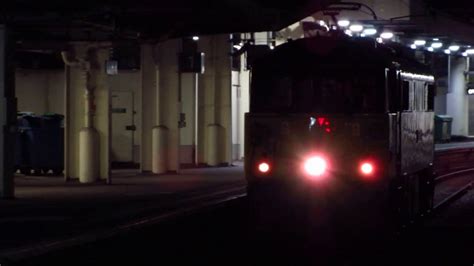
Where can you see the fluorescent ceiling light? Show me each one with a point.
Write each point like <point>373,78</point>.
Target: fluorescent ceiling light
<point>420,42</point>
<point>437,45</point>
<point>454,48</point>
<point>386,35</point>
<point>370,31</point>
<point>343,23</point>
<point>356,28</point>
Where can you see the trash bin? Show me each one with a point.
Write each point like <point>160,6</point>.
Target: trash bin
<point>30,127</point>
<point>52,143</point>
<point>443,128</point>
<point>40,144</point>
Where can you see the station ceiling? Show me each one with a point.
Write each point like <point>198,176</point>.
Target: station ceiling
<point>149,19</point>
<point>461,10</point>
<point>117,20</point>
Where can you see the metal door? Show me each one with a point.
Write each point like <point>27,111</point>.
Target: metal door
<point>123,126</point>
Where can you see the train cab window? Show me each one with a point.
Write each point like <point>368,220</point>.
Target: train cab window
<point>276,95</point>
<point>319,92</point>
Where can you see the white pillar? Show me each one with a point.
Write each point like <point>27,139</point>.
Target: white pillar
<point>149,74</point>
<point>244,103</point>
<point>213,131</point>
<point>159,149</point>
<point>215,102</point>
<point>7,117</point>
<point>160,113</point>
<point>87,110</point>
<point>169,105</point>
<point>456,99</point>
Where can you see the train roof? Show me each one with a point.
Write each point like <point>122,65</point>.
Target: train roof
<point>341,52</point>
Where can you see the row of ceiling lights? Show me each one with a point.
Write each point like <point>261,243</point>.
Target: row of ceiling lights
<point>435,45</point>
<point>360,30</point>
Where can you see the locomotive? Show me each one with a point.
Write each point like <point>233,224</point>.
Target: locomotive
<point>340,128</point>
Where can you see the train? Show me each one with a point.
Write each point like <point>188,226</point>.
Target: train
<point>340,130</point>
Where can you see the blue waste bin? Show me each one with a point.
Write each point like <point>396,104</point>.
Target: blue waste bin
<point>20,162</point>
<point>443,128</point>
<point>30,125</point>
<point>41,144</point>
<point>51,143</point>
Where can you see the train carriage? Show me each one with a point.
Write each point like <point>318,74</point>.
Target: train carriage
<point>344,123</point>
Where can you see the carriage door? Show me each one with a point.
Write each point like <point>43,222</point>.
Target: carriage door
<point>416,138</point>
<point>122,127</point>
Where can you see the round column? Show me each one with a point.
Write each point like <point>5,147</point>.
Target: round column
<point>88,155</point>
<point>159,149</point>
<point>456,99</point>
<point>213,144</point>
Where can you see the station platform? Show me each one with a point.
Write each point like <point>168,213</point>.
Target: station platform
<point>49,213</point>
<point>454,145</point>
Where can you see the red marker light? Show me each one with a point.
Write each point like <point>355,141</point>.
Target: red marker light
<point>315,166</point>
<point>321,120</point>
<point>263,168</point>
<point>366,168</point>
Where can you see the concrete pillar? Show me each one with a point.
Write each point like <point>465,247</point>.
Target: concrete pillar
<point>244,103</point>
<point>159,149</point>
<point>160,85</point>
<point>213,134</point>
<point>7,115</point>
<point>149,75</point>
<point>187,134</point>
<point>87,112</point>
<point>215,102</point>
<point>456,99</point>
<point>168,98</point>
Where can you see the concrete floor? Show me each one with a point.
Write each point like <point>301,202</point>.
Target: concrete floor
<point>125,183</point>
<point>47,209</point>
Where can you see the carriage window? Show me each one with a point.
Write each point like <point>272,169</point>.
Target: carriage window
<point>430,95</point>
<point>407,101</point>
<point>419,96</point>
<point>416,96</point>
<point>412,97</point>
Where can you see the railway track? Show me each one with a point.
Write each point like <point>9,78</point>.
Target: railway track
<point>452,164</point>
<point>458,193</point>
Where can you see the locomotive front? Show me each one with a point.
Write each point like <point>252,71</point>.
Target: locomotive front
<point>320,130</point>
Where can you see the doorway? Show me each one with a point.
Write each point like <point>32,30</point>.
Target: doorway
<point>188,120</point>
<point>123,129</point>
